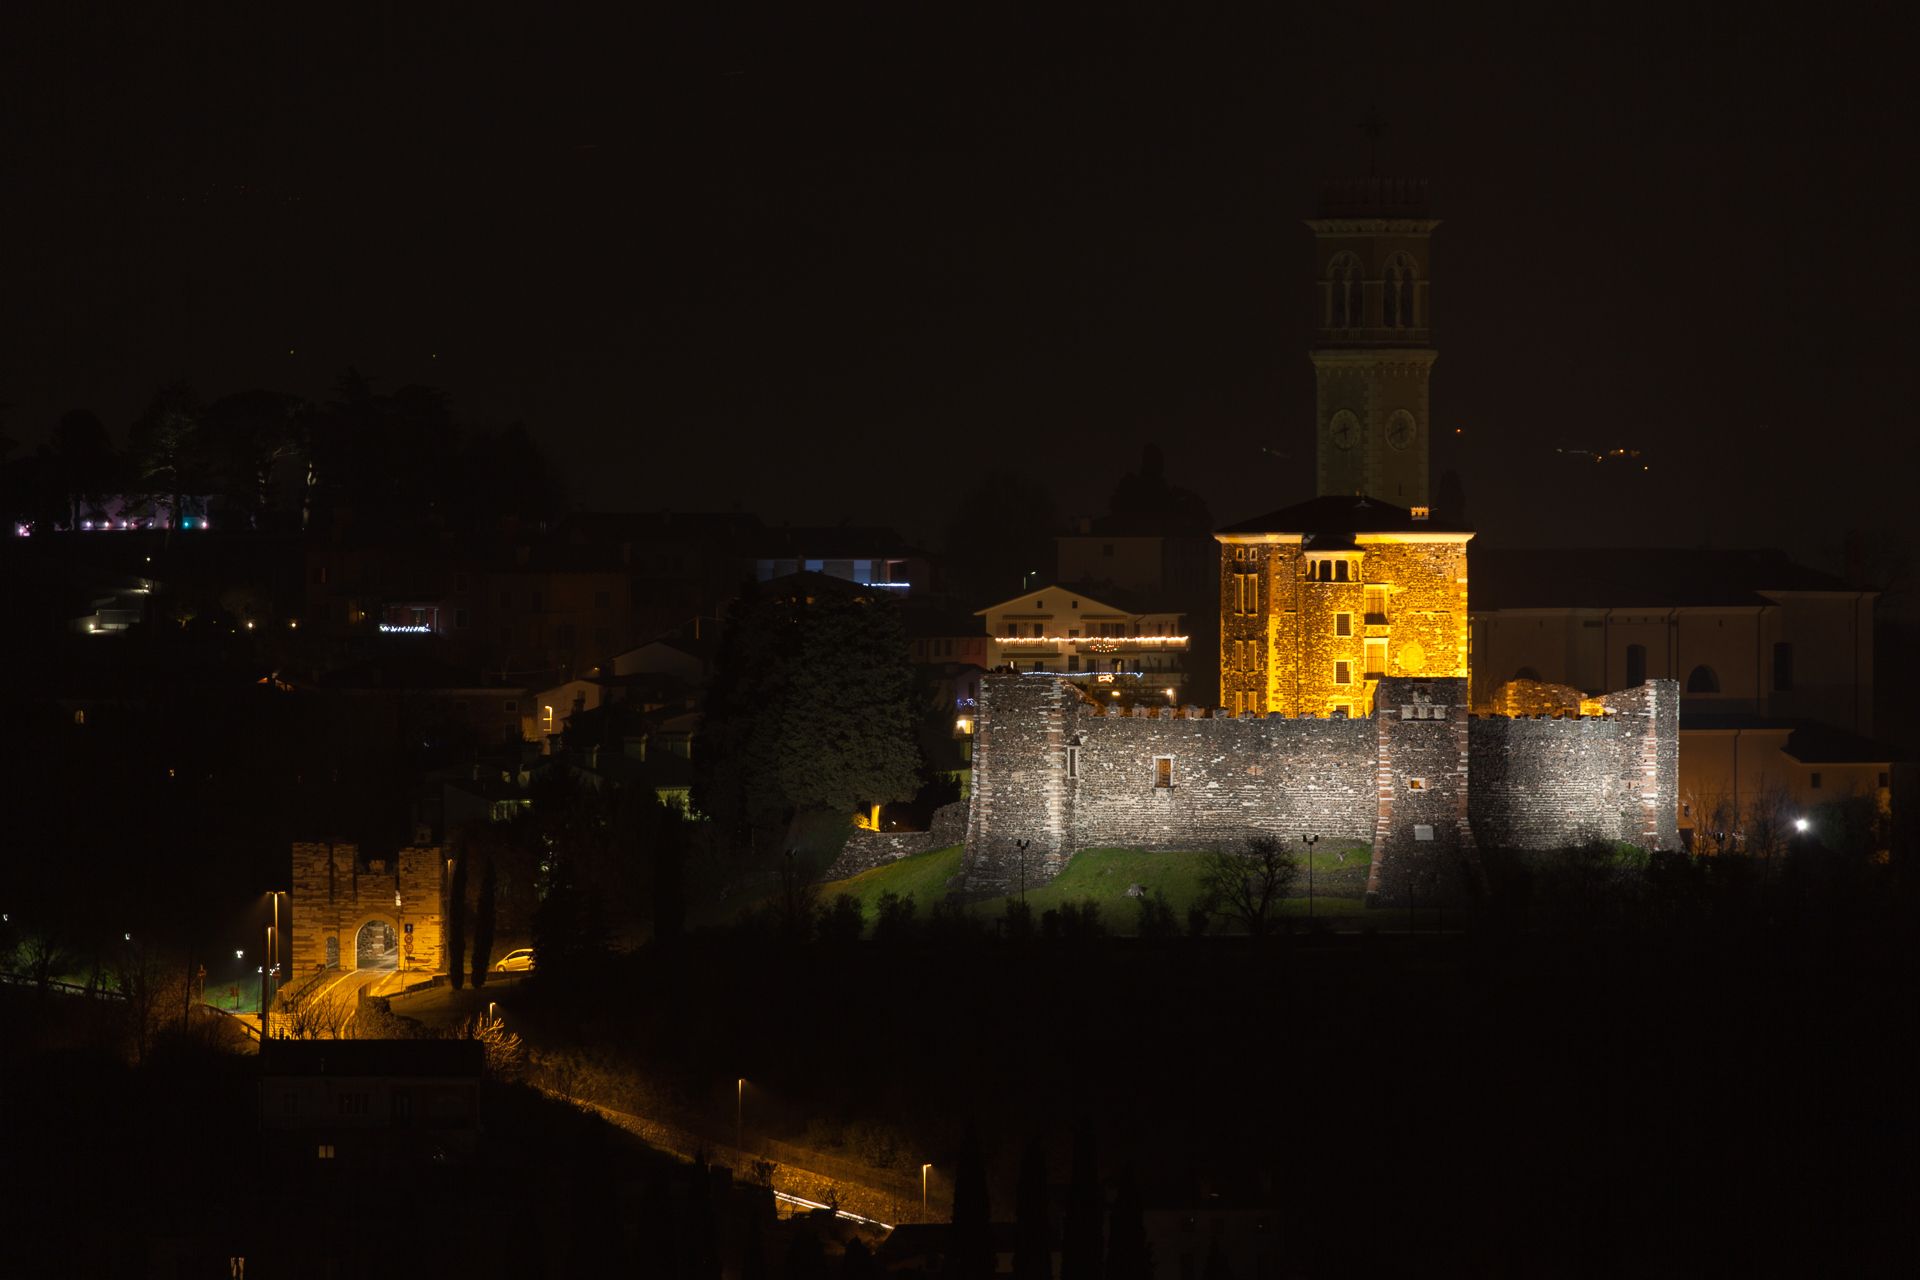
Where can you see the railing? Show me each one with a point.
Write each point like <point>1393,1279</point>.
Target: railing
<point>64,988</point>
<point>253,1032</point>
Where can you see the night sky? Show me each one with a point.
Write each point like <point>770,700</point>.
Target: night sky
<point>827,268</point>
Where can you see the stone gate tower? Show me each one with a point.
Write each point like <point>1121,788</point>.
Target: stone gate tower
<point>1372,347</point>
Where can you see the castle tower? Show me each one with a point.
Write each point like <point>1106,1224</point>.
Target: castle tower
<point>1372,347</point>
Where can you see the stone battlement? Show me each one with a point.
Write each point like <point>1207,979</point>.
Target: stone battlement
<point>1421,775</point>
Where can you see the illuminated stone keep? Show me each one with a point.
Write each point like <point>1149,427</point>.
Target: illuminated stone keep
<point>1321,601</point>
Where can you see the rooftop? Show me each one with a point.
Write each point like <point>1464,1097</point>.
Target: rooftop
<point>372,1057</point>
<point>1345,514</point>
<point>1639,577</point>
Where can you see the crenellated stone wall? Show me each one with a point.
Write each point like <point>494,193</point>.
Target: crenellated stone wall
<point>335,890</point>
<point>1422,780</point>
<point>1544,782</point>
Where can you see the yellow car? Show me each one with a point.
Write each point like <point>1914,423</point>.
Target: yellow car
<point>515,961</point>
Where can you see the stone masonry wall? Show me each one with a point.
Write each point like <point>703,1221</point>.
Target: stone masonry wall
<point>1541,782</point>
<point>1422,780</point>
<point>334,891</point>
<point>865,850</point>
<point>1062,773</point>
<point>1423,835</point>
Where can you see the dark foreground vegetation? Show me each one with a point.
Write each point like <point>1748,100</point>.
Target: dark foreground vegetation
<point>1620,1065</point>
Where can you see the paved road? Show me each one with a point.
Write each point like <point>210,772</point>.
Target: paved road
<point>345,987</point>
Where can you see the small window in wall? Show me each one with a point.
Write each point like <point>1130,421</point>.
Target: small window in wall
<point>1885,778</point>
<point>1636,665</point>
<point>1416,784</point>
<point>324,1151</point>
<point>1813,780</point>
<point>1343,673</point>
<point>1782,666</point>
<point>1376,605</point>
<point>1343,624</point>
<point>1376,659</point>
<point>1339,570</point>
<point>1162,772</point>
<point>1073,662</point>
<point>79,715</point>
<point>1073,762</point>
<point>1703,680</point>
<point>1013,628</point>
<point>1341,711</point>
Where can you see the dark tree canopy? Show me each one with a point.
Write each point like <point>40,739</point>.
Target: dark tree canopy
<point>811,708</point>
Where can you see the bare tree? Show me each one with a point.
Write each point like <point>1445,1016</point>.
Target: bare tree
<point>506,1052</point>
<point>315,1014</point>
<point>1769,820</point>
<point>1247,885</point>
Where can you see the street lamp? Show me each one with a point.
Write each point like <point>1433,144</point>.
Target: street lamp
<point>923,1186</point>
<point>1309,841</point>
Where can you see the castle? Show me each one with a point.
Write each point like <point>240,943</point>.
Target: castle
<point>1343,655</point>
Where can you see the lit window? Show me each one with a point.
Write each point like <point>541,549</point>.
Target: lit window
<point>1162,772</point>
<point>1343,624</point>
<point>1343,673</point>
<point>79,715</point>
<point>325,1151</point>
<point>546,717</point>
<point>1416,784</point>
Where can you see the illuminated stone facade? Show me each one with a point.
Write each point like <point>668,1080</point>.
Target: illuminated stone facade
<point>1319,602</point>
<point>335,892</point>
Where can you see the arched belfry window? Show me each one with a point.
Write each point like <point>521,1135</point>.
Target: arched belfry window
<point>1396,308</point>
<point>1343,289</point>
<point>1703,680</point>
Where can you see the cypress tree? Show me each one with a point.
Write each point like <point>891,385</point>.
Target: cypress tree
<point>483,921</point>
<point>457,915</point>
<point>1033,1241</point>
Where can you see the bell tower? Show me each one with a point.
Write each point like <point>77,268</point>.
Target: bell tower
<point>1372,346</point>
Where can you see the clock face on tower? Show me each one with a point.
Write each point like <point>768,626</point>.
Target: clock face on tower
<point>1400,429</point>
<point>1344,429</point>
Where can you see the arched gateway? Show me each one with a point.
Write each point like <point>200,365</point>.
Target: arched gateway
<point>354,910</point>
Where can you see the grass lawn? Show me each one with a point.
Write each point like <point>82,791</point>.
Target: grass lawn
<point>1104,875</point>
<point>922,877</point>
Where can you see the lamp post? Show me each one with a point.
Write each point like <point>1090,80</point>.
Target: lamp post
<point>923,1186</point>
<point>1309,841</point>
